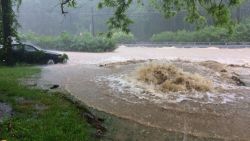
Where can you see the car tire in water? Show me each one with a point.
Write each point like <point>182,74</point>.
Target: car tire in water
<point>50,62</point>
<point>64,61</point>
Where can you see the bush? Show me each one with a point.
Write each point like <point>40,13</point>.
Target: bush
<point>208,34</point>
<point>67,42</point>
<point>242,33</point>
<point>211,34</point>
<point>124,38</point>
<point>179,36</point>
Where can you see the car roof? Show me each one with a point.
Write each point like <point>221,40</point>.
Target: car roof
<point>29,44</point>
<point>19,42</point>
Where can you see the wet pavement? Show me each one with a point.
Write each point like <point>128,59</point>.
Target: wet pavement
<point>210,117</point>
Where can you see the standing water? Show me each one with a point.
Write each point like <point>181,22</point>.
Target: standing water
<point>216,115</point>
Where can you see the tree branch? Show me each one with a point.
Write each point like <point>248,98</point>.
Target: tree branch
<point>62,6</point>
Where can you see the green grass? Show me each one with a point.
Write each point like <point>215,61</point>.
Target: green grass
<point>55,119</point>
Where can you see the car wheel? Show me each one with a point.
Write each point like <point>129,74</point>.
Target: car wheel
<point>64,61</point>
<point>51,62</point>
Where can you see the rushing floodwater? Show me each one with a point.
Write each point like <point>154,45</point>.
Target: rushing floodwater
<point>210,115</point>
<point>237,56</point>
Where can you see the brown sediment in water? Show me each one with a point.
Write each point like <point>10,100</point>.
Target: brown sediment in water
<point>247,65</point>
<point>115,64</point>
<point>195,116</point>
<point>216,66</point>
<point>222,72</point>
<point>225,71</point>
<point>191,116</point>
<point>168,78</point>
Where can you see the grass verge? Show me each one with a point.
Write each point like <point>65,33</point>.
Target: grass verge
<point>39,115</point>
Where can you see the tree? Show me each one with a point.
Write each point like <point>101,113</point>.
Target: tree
<point>9,26</point>
<point>6,29</point>
<point>218,10</point>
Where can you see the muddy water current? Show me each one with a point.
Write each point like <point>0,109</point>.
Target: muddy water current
<point>183,116</point>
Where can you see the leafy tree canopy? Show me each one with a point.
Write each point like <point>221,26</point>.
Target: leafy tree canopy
<point>197,10</point>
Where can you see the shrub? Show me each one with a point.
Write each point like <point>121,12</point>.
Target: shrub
<point>163,36</point>
<point>209,34</point>
<point>124,38</point>
<point>179,36</point>
<point>67,42</point>
<point>242,33</point>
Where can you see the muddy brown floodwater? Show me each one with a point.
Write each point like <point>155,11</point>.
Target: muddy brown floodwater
<point>210,116</point>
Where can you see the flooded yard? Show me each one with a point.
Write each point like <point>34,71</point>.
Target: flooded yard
<point>223,114</point>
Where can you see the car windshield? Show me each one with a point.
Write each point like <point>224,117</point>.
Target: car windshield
<point>38,48</point>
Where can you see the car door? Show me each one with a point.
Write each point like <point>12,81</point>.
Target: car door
<point>18,50</point>
<point>30,54</point>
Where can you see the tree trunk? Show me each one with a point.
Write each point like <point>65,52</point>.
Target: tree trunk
<point>238,14</point>
<point>7,21</point>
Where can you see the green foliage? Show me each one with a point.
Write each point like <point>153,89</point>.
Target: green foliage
<point>13,21</point>
<point>179,36</point>
<point>209,34</point>
<point>218,10</point>
<point>66,42</point>
<point>242,32</point>
<point>121,37</point>
<point>38,115</point>
<point>212,34</point>
<point>120,20</point>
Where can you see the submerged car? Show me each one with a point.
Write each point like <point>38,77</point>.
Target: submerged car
<point>29,53</point>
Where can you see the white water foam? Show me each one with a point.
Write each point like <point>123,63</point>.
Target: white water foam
<point>127,88</point>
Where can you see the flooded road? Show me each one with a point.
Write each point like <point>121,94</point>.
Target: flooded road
<point>211,116</point>
<point>235,56</point>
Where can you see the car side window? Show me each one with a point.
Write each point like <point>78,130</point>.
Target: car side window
<point>29,48</point>
<point>17,47</point>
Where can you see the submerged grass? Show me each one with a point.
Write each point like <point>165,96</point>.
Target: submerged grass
<point>169,78</point>
<point>38,115</point>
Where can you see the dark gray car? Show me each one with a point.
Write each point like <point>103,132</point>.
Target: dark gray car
<point>29,53</point>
